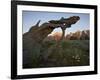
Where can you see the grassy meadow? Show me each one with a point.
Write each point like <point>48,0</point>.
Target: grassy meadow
<point>66,53</point>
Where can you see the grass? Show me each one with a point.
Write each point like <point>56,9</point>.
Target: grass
<point>67,53</point>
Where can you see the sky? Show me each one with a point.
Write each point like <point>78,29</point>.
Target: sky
<point>30,18</point>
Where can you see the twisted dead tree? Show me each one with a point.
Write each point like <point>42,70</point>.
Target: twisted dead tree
<point>48,59</point>
<point>32,40</point>
<point>65,23</point>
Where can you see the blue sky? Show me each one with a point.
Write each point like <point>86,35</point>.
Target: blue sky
<point>30,18</point>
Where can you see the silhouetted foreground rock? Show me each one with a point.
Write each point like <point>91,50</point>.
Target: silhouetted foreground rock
<point>32,40</point>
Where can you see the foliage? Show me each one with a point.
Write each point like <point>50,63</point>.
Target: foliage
<point>67,53</point>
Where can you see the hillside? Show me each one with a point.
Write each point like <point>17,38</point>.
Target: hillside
<point>78,35</point>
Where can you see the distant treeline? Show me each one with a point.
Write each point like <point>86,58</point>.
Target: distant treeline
<point>78,35</point>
